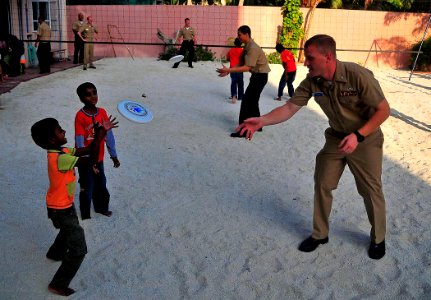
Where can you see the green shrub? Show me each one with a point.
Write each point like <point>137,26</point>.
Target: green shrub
<point>292,31</point>
<point>172,51</point>
<point>424,59</point>
<point>201,54</point>
<point>273,58</point>
<point>204,54</point>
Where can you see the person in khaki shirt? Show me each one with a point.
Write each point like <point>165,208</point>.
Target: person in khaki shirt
<point>255,62</point>
<point>88,33</point>
<point>43,45</point>
<point>188,34</point>
<point>355,105</point>
<point>78,53</point>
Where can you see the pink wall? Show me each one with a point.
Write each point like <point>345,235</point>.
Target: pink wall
<point>215,24</point>
<point>359,29</point>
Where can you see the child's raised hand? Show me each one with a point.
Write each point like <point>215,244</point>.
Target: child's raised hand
<point>110,123</point>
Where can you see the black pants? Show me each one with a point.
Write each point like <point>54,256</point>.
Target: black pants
<point>44,57</point>
<point>190,47</point>
<point>78,53</point>
<point>69,245</point>
<point>250,102</point>
<point>15,65</point>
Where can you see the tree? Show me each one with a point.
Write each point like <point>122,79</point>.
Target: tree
<point>311,4</point>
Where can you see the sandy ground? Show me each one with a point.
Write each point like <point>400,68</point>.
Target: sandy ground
<point>199,215</point>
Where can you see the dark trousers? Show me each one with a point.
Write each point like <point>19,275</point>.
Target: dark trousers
<point>187,46</point>
<point>237,85</point>
<point>93,187</point>
<point>250,102</point>
<point>286,79</point>
<point>78,53</point>
<point>44,57</point>
<point>69,245</point>
<point>15,65</point>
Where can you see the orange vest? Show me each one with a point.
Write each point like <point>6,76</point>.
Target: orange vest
<point>61,174</point>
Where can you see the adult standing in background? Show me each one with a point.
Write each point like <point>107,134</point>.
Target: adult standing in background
<point>355,105</point>
<point>78,53</point>
<point>88,33</point>
<point>43,45</point>
<point>188,34</point>
<point>255,62</point>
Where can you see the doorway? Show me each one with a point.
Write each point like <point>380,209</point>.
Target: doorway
<point>4,19</point>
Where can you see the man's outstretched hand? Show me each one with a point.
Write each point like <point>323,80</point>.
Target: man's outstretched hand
<point>249,127</point>
<point>222,72</point>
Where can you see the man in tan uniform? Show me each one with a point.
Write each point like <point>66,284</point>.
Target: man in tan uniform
<point>255,62</point>
<point>355,105</point>
<point>188,34</point>
<point>88,33</point>
<point>78,53</point>
<point>43,45</point>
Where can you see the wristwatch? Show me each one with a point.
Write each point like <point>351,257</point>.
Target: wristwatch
<point>359,136</point>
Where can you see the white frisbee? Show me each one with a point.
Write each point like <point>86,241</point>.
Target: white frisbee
<point>176,58</point>
<point>134,111</point>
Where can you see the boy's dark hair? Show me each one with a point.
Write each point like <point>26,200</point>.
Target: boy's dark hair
<point>237,42</point>
<point>186,19</point>
<point>279,47</point>
<point>244,29</point>
<point>324,43</point>
<point>44,130</point>
<point>83,88</point>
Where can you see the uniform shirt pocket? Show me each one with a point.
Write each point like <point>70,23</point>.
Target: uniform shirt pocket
<point>349,99</point>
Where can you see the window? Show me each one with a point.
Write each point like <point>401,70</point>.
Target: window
<point>48,9</point>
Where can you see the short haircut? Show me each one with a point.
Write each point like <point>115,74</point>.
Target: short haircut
<point>44,130</point>
<point>186,19</point>
<point>279,47</point>
<point>237,42</point>
<point>82,88</point>
<point>42,18</point>
<point>324,44</point>
<point>244,29</point>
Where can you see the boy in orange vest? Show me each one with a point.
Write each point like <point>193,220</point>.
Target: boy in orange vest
<point>69,246</point>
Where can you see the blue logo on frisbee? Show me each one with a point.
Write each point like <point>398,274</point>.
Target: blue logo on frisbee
<point>134,111</point>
